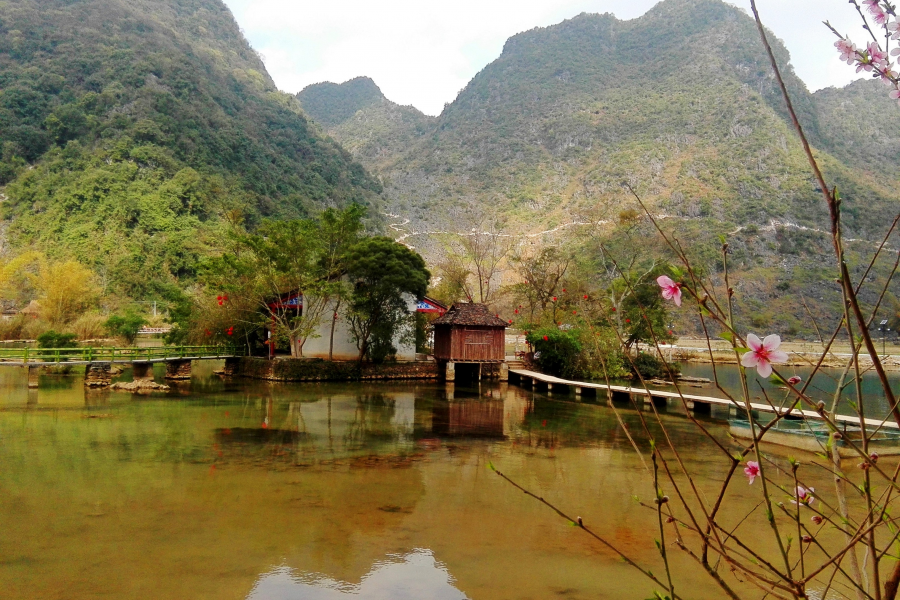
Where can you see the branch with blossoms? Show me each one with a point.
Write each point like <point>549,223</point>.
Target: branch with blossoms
<point>873,57</point>
<point>821,540</point>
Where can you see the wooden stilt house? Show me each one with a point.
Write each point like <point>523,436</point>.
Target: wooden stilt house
<point>469,333</point>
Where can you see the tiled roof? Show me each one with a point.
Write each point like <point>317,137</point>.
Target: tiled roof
<point>469,314</point>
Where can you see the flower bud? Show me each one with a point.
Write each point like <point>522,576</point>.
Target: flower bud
<point>807,539</point>
<point>837,435</point>
<point>873,457</point>
<point>816,519</point>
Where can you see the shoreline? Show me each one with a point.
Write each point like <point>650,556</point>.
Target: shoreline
<point>834,360</point>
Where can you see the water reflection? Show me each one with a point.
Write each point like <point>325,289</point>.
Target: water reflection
<point>198,493</point>
<point>414,576</point>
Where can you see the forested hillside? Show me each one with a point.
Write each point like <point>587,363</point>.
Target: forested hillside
<point>681,103</point>
<point>131,131</point>
<point>371,127</point>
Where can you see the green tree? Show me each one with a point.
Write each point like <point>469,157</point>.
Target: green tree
<point>339,231</point>
<point>543,276</point>
<point>126,326</point>
<point>555,351</point>
<point>644,315</point>
<point>266,273</point>
<point>269,270</point>
<point>382,272</point>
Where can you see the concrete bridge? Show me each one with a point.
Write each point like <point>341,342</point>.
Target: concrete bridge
<point>98,361</point>
<point>698,404</point>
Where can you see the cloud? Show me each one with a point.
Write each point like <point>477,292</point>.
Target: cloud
<point>423,53</point>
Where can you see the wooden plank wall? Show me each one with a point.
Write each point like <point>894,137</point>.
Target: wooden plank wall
<point>477,344</point>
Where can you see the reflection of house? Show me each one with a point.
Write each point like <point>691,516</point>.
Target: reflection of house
<point>468,334</point>
<point>471,419</point>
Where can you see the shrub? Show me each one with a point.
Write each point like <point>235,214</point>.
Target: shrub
<point>555,351</point>
<point>652,367</point>
<point>125,326</point>
<point>55,339</point>
<point>89,326</point>
<point>13,329</point>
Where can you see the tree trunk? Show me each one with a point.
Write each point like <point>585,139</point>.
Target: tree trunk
<point>362,350</point>
<point>296,347</point>
<point>334,319</point>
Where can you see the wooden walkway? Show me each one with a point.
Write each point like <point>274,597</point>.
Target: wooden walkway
<point>699,404</point>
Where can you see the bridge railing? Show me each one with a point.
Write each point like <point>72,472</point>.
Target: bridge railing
<point>107,354</point>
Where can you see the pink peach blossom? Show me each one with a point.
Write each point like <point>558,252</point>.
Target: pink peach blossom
<point>894,29</point>
<point>878,13</point>
<point>847,50</point>
<point>751,470</point>
<point>763,354</point>
<point>670,289</point>
<point>876,55</point>
<point>803,496</point>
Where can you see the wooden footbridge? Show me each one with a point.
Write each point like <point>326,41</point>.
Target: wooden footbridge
<point>698,404</point>
<point>98,361</point>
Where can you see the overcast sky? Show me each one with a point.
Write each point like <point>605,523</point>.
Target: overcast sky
<point>423,52</point>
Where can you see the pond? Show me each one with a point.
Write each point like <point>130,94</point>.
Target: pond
<point>822,386</point>
<point>251,490</point>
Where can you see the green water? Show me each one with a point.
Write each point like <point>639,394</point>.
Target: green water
<point>252,490</point>
<point>821,387</point>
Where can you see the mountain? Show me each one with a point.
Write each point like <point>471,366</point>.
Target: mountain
<point>682,104</point>
<point>860,125</point>
<point>133,131</point>
<point>371,127</point>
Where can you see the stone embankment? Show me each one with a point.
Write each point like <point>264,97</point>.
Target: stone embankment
<point>298,369</point>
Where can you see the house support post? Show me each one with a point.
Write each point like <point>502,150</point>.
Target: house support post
<point>504,371</point>
<point>450,371</point>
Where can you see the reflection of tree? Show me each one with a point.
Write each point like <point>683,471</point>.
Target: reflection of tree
<point>371,421</point>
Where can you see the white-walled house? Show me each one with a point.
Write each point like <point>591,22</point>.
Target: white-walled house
<point>317,346</point>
